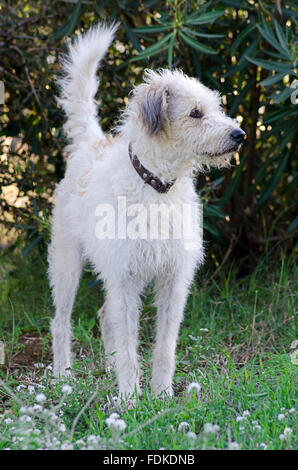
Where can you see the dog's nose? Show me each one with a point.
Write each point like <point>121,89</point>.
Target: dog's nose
<point>238,135</point>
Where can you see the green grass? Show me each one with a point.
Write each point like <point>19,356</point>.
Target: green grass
<point>235,341</point>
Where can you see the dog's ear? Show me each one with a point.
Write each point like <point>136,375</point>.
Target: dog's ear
<point>154,108</point>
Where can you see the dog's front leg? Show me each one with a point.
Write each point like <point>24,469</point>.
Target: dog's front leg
<point>121,312</point>
<point>170,300</point>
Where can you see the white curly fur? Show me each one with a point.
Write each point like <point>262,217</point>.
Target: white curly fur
<point>171,144</point>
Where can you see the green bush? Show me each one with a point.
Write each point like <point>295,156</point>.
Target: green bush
<point>244,49</point>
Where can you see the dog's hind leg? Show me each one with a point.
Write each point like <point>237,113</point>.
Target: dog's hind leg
<point>65,267</point>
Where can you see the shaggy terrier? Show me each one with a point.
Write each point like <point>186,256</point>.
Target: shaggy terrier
<point>171,126</point>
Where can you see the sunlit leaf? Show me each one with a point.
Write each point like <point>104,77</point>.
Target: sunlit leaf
<point>197,45</point>
<point>159,46</point>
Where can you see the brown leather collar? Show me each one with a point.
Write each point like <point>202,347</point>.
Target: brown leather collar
<point>147,176</point>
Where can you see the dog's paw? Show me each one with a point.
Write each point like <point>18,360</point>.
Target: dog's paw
<point>162,390</point>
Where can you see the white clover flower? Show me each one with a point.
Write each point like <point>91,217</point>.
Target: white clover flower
<point>66,446</point>
<point>19,387</point>
<point>113,417</point>
<point>282,437</point>
<point>25,419</point>
<point>205,330</point>
<point>119,425</point>
<point>239,418</point>
<point>115,423</point>
<point>8,421</point>
<point>93,441</point>
<point>31,389</point>
<point>39,365</point>
<point>116,400</point>
<point>263,445</point>
<point>245,413</point>
<point>210,428</point>
<point>40,397</point>
<point>257,427</point>
<point>194,387</point>
<point>37,407</point>
<point>53,416</point>
<point>67,389</point>
<point>288,432</point>
<point>291,410</point>
<point>191,435</point>
<point>183,426</point>
<point>233,446</point>
<point>280,417</point>
<point>62,427</point>
<point>81,442</point>
<point>23,409</point>
<point>29,410</point>
<point>51,59</point>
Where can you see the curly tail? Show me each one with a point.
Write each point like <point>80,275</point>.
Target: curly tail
<point>79,83</point>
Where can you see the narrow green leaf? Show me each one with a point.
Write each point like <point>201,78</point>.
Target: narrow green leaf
<point>213,230</point>
<point>202,35</point>
<point>132,37</point>
<point>196,63</point>
<point>269,36</point>
<point>152,29</point>
<point>274,180</point>
<point>270,65</point>
<point>273,79</point>
<point>293,225</point>
<point>68,27</point>
<point>240,38</point>
<point>231,188</point>
<point>239,98</point>
<point>155,48</point>
<point>214,211</point>
<point>242,62</point>
<point>209,17</point>
<point>32,245</point>
<point>199,12</point>
<point>171,50</point>
<point>281,37</point>
<point>283,95</point>
<point>271,117</point>
<point>197,45</point>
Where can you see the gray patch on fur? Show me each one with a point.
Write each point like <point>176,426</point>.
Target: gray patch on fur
<point>153,109</point>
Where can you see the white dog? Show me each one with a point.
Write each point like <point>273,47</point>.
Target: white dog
<point>172,125</point>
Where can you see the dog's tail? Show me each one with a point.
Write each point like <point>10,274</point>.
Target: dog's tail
<point>79,82</point>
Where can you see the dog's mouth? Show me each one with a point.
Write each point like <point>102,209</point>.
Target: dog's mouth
<point>227,151</point>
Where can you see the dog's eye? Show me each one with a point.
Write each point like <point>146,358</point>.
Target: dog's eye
<point>195,113</point>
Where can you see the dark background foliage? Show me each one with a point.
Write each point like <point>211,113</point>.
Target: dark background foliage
<point>245,49</point>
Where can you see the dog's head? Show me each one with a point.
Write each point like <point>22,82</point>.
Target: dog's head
<point>183,115</point>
